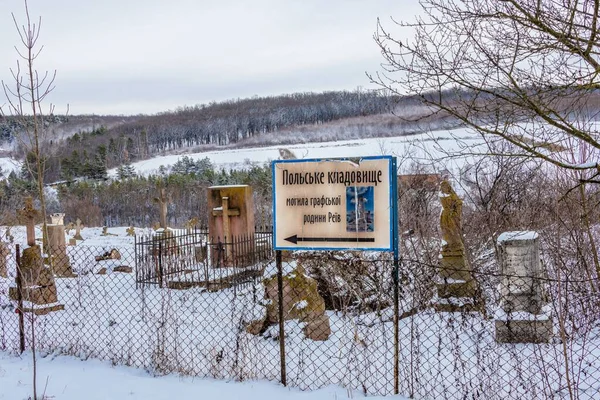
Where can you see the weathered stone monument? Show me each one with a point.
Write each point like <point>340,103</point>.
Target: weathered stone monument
<point>57,247</point>
<point>38,289</point>
<point>455,278</point>
<point>163,201</point>
<point>301,300</point>
<point>522,317</point>
<point>78,227</point>
<point>232,218</point>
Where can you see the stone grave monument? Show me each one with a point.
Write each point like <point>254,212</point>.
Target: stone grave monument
<point>61,265</point>
<point>522,317</point>
<point>38,289</point>
<point>130,231</point>
<point>78,227</point>
<point>456,287</point>
<point>301,300</point>
<point>231,218</point>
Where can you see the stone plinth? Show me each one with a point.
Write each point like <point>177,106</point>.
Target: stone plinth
<point>522,317</point>
<point>231,218</point>
<point>37,282</point>
<point>301,300</point>
<point>61,264</point>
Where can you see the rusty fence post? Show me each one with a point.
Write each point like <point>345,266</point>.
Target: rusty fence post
<point>280,311</point>
<point>19,282</point>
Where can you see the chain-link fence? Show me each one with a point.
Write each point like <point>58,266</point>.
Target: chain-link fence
<point>307,319</point>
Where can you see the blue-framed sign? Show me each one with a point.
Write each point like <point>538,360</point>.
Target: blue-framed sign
<point>335,204</point>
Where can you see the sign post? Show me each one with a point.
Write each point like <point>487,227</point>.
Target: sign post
<point>334,204</point>
<point>337,204</point>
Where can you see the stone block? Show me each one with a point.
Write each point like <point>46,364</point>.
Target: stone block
<point>523,331</point>
<point>35,294</point>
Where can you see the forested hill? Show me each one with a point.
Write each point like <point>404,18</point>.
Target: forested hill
<point>88,145</point>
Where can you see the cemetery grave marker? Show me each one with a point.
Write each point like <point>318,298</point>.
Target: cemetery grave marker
<point>78,227</point>
<point>38,287</point>
<point>522,317</point>
<point>231,217</point>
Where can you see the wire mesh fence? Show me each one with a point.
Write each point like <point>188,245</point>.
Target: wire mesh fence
<point>309,320</point>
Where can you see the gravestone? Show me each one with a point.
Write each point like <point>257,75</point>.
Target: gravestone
<point>78,227</point>
<point>61,264</point>
<point>231,219</point>
<point>301,300</point>
<point>522,316</point>
<point>456,287</point>
<point>163,202</point>
<point>38,289</point>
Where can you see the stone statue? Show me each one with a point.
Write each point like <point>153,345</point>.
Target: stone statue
<point>450,220</point>
<point>455,275</point>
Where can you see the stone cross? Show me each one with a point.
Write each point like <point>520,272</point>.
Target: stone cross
<point>78,227</point>
<point>28,213</point>
<point>225,212</point>
<point>163,202</point>
<point>130,231</point>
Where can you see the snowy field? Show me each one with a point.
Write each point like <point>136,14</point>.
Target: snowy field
<point>423,147</point>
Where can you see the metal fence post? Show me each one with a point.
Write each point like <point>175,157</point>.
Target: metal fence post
<point>280,310</point>
<point>396,329</point>
<point>19,282</point>
<point>160,266</point>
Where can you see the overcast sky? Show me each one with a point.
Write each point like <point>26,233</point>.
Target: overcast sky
<point>145,56</point>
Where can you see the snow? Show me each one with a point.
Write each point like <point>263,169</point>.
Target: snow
<point>301,304</point>
<point>517,235</point>
<point>424,147</point>
<point>9,164</point>
<point>68,378</point>
<point>502,315</point>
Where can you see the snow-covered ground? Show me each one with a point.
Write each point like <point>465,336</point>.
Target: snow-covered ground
<point>423,147</point>
<point>68,378</point>
<point>8,165</point>
<point>201,334</point>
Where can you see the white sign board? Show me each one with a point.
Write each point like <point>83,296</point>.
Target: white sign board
<point>334,204</point>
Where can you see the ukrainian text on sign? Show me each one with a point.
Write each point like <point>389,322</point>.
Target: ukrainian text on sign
<point>333,203</point>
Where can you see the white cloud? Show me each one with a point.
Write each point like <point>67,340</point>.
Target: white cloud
<point>146,54</point>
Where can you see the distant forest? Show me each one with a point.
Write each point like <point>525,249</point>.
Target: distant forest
<point>78,149</point>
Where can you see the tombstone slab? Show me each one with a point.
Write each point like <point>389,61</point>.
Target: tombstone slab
<point>231,218</point>
<point>523,316</point>
<point>61,264</point>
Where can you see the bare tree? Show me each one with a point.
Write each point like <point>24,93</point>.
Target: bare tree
<point>524,71</point>
<point>25,102</point>
<point>25,97</point>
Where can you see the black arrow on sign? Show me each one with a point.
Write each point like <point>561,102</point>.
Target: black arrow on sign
<point>295,239</point>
